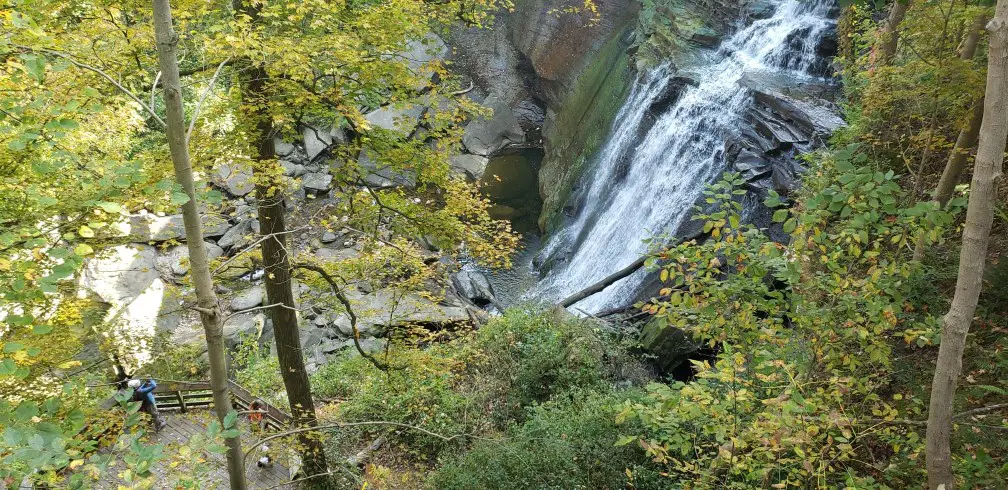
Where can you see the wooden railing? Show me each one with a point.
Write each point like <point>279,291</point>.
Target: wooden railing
<point>183,396</point>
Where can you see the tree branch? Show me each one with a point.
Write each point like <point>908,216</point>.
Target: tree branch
<point>344,425</point>
<point>98,71</point>
<point>349,311</point>
<point>199,104</point>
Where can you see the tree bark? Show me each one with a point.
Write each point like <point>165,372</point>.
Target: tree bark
<point>976,234</point>
<point>890,31</point>
<point>210,313</point>
<point>277,267</point>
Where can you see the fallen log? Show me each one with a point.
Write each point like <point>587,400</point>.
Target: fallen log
<point>620,274</point>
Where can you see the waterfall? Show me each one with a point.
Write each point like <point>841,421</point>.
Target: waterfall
<point>643,187</point>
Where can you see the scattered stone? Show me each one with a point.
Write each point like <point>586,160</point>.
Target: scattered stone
<point>372,346</point>
<point>335,254</point>
<point>238,236</point>
<point>145,227</point>
<point>328,237</point>
<point>292,169</point>
<point>322,320</point>
<point>249,298</point>
<point>237,179</point>
<point>330,346</point>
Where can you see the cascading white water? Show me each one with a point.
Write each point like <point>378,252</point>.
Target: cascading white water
<point>643,187</point>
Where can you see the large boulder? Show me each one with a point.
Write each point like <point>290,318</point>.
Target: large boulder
<point>316,140</point>
<point>488,136</point>
<point>474,286</point>
<point>243,324</point>
<point>249,298</point>
<point>668,345</point>
<point>421,54</point>
<point>468,166</point>
<point>379,310</point>
<point>316,182</point>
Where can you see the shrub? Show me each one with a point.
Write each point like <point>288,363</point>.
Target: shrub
<point>565,443</point>
<point>259,371</point>
<point>531,355</point>
<point>423,387</point>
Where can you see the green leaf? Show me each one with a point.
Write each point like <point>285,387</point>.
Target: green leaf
<point>12,347</point>
<point>790,225</point>
<point>179,198</point>
<point>41,329</point>
<point>230,419</point>
<point>780,215</point>
<point>624,440</point>
<point>85,232</point>
<point>110,207</point>
<point>83,249</point>
<point>25,411</point>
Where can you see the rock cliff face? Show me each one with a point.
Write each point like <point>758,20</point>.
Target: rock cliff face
<point>562,72</point>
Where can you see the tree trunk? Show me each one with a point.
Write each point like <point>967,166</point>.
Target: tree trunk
<point>972,40</point>
<point>890,31</point>
<point>956,162</point>
<point>976,234</point>
<point>210,313</point>
<point>277,268</point>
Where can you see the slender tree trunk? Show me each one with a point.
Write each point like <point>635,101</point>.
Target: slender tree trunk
<point>210,313</point>
<point>277,268</point>
<point>976,234</point>
<point>969,47</point>
<point>890,31</point>
<point>956,162</point>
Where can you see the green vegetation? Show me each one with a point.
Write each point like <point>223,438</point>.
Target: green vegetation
<point>822,348</point>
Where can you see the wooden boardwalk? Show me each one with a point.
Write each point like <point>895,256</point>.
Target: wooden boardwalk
<point>185,407</point>
<point>208,468</point>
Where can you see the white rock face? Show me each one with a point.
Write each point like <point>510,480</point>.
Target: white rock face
<point>126,279</point>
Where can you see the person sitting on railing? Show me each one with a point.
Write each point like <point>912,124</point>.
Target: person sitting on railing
<point>143,392</point>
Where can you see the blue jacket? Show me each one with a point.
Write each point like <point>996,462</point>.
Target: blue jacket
<point>146,391</point>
